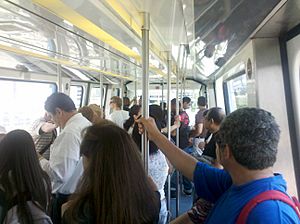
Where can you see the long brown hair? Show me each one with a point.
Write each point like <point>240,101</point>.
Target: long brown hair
<point>21,176</point>
<point>114,187</point>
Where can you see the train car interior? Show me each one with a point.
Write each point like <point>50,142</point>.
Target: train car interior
<point>236,53</point>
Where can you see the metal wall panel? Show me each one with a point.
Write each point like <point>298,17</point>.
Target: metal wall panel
<point>270,96</point>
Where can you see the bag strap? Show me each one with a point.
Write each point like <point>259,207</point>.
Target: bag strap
<point>265,196</point>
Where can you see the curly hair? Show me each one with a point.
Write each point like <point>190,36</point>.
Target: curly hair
<point>252,134</point>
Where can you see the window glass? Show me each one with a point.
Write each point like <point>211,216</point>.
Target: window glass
<point>237,93</point>
<point>76,94</point>
<point>22,103</point>
<point>95,95</point>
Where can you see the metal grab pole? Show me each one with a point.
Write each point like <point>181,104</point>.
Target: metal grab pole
<point>162,96</point>
<point>101,89</point>
<point>135,87</point>
<point>177,143</point>
<point>169,124</point>
<point>145,87</point>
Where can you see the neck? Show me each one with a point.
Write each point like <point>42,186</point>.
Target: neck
<point>242,175</point>
<point>67,117</point>
<point>117,108</point>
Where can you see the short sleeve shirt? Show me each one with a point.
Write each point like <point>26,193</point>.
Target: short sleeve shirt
<point>215,185</point>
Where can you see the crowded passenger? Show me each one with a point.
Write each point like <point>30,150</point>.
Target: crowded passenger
<point>126,103</point>
<point>44,133</point>
<point>129,124</point>
<point>118,116</point>
<point>25,189</point>
<point>98,112</point>
<point>199,130</point>
<point>88,113</point>
<point>64,166</point>
<point>246,147</point>
<point>114,187</point>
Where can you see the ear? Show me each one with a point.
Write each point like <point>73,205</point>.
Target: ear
<point>58,111</point>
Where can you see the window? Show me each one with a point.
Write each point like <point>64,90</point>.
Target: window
<point>235,91</point>
<point>95,95</point>
<point>76,93</point>
<point>22,102</point>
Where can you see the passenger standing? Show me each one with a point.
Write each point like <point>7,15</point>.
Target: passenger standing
<point>126,103</point>
<point>246,147</point>
<point>118,116</point>
<point>43,133</point>
<point>129,124</point>
<point>64,166</point>
<point>199,130</point>
<point>114,187</point>
<point>98,112</point>
<point>25,189</point>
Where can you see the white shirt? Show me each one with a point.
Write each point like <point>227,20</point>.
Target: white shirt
<point>65,165</point>
<point>158,170</point>
<point>119,117</point>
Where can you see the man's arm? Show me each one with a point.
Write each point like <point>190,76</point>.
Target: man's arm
<point>182,161</point>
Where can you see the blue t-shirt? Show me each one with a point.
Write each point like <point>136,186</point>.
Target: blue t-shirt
<point>215,185</point>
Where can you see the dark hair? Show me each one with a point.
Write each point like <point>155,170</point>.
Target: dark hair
<point>215,113</point>
<point>87,112</point>
<point>21,176</point>
<point>126,101</point>
<point>186,99</point>
<point>114,186</point>
<point>156,112</point>
<point>61,101</point>
<point>252,134</point>
<point>134,110</point>
<point>202,101</point>
<point>173,102</point>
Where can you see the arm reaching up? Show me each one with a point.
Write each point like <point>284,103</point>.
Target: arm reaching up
<point>182,161</point>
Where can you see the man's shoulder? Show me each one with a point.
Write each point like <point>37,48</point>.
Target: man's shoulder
<point>274,211</point>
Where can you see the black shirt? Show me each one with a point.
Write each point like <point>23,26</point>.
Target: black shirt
<point>210,147</point>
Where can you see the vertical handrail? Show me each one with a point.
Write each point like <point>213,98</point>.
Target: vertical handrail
<point>169,67</point>
<point>145,87</point>
<point>101,90</point>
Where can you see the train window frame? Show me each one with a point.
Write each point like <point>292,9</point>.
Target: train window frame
<point>54,87</point>
<point>82,94</point>
<point>226,94</point>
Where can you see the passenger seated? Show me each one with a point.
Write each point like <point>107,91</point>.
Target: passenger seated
<point>114,187</point>
<point>247,148</point>
<point>25,189</point>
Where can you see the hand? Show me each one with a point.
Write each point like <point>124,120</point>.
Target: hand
<point>177,121</point>
<point>48,127</point>
<point>148,125</point>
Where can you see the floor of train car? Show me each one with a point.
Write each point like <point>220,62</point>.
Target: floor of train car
<point>185,204</point>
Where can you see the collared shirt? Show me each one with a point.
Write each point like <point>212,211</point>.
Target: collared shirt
<point>65,165</point>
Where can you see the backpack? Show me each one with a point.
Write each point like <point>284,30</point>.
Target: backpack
<point>8,213</point>
<point>265,196</point>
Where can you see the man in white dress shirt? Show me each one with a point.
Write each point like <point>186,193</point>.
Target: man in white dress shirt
<point>118,116</point>
<point>64,166</point>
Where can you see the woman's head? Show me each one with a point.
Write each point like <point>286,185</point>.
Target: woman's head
<point>114,182</point>
<point>20,173</point>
